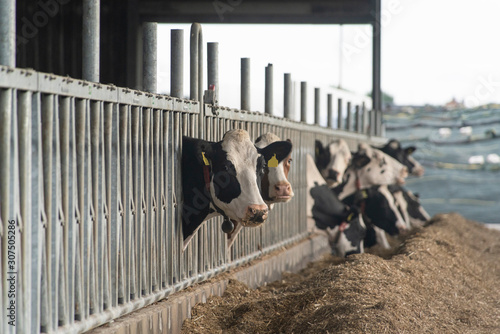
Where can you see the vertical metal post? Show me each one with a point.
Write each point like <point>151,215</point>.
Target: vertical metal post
<point>376,92</point>
<point>339,115</point>
<point>196,63</point>
<point>303,101</point>
<point>287,96</point>
<point>213,67</point>
<point>372,123</point>
<point>268,98</point>
<point>316,106</point>
<point>149,82</point>
<point>348,126</point>
<point>245,84</point>
<point>329,108</point>
<point>378,114</point>
<point>366,119</point>
<point>8,33</point>
<point>91,40</point>
<point>176,62</point>
<point>359,127</point>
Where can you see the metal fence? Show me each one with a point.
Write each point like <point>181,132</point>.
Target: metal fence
<point>89,199</point>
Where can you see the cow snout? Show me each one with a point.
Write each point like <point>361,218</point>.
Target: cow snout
<point>283,190</point>
<point>333,174</point>
<point>256,214</point>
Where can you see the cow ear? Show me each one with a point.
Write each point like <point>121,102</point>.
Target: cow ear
<point>360,160</point>
<point>278,150</point>
<point>204,151</point>
<point>410,150</point>
<point>319,150</point>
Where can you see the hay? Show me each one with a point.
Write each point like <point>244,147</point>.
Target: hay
<point>444,278</point>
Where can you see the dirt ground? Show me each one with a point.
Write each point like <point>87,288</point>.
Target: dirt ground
<point>443,278</point>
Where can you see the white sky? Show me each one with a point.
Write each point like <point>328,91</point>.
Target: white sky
<point>432,50</point>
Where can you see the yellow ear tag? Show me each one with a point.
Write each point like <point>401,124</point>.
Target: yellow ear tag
<point>205,160</point>
<point>350,217</point>
<point>273,162</point>
<point>365,194</point>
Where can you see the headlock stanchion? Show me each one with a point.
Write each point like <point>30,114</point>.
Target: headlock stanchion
<point>90,188</point>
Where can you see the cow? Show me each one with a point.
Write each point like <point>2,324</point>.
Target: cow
<point>369,167</point>
<point>275,187</point>
<point>332,160</point>
<point>393,148</point>
<point>380,213</point>
<point>409,204</point>
<point>223,178</point>
<point>343,225</point>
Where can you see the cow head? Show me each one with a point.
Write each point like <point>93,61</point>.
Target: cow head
<point>404,156</point>
<point>332,160</point>
<point>347,238</point>
<point>417,214</point>
<point>383,211</point>
<point>371,167</point>
<point>275,186</point>
<point>236,167</point>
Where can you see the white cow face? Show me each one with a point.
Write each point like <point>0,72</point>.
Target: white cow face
<point>332,160</point>
<point>371,167</point>
<point>275,186</point>
<point>237,166</point>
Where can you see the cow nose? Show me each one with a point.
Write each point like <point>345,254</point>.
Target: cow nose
<point>333,174</point>
<point>257,213</point>
<point>283,189</point>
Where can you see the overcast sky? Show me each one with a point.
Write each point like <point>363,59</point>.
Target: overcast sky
<point>432,51</point>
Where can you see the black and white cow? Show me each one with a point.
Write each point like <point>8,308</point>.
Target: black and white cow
<point>409,205</point>
<point>332,160</point>
<point>275,187</point>
<point>343,225</point>
<point>224,178</point>
<point>393,148</point>
<point>370,167</point>
<point>380,212</point>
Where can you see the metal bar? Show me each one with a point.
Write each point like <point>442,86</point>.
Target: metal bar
<point>149,43</point>
<point>268,98</point>
<point>245,83</point>
<point>196,63</point>
<point>287,96</point>
<point>359,126</point>
<point>329,108</point>
<point>213,67</point>
<point>303,101</point>
<point>376,57</point>
<point>8,33</point>
<point>340,116</point>
<point>91,40</point>
<point>317,105</point>
<point>349,125</point>
<point>176,63</point>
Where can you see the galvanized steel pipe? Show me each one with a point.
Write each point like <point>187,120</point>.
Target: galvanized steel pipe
<point>91,40</point>
<point>358,118</point>
<point>349,117</point>
<point>287,96</point>
<point>196,63</point>
<point>303,101</point>
<point>329,106</point>
<point>213,67</point>
<point>316,105</point>
<point>176,62</point>
<point>339,115</point>
<point>245,83</point>
<point>149,81</point>
<point>268,98</point>
<point>8,33</point>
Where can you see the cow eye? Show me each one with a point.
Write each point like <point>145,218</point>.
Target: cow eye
<point>290,161</point>
<point>226,168</point>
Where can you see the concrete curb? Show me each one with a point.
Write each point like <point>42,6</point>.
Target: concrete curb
<point>167,316</point>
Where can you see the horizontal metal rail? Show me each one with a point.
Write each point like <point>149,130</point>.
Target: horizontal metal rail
<point>90,188</point>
